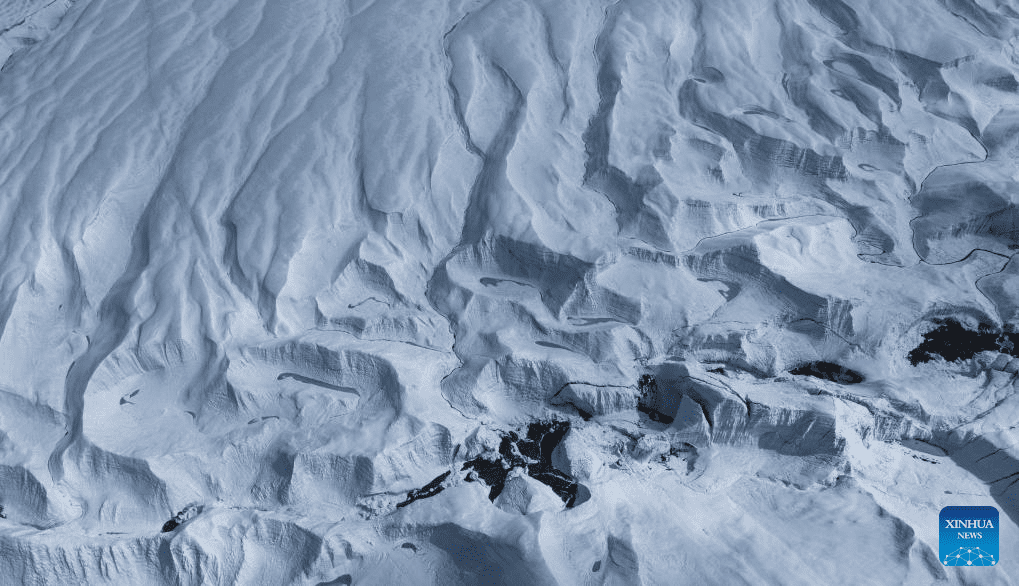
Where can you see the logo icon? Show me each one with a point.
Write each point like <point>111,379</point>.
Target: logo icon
<point>968,536</point>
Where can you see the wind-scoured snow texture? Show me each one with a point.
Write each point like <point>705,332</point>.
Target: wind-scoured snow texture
<point>24,23</point>
<point>275,270</point>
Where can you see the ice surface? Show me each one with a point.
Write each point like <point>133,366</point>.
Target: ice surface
<point>279,278</point>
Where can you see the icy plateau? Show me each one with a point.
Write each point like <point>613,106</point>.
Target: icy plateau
<point>522,292</point>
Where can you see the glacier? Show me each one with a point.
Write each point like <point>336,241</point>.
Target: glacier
<point>506,291</point>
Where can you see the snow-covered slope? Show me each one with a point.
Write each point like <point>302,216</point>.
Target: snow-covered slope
<point>506,291</point>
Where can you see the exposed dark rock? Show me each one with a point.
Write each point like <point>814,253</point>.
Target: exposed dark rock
<point>829,371</point>
<point>491,472</point>
<point>533,453</point>
<point>186,514</point>
<point>431,489</point>
<point>953,341</point>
